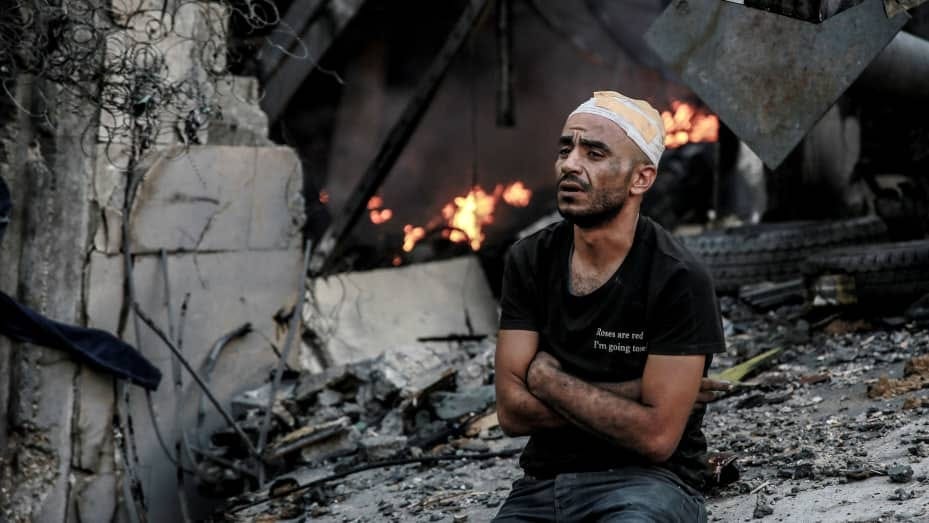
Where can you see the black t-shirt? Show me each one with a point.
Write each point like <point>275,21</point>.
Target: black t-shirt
<point>660,301</point>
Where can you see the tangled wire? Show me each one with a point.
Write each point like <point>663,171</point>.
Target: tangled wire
<point>142,63</point>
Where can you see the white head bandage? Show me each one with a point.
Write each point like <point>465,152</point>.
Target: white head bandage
<point>641,122</point>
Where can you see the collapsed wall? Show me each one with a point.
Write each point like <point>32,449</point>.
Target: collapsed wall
<point>216,226</point>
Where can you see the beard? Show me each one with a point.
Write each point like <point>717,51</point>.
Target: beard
<point>604,206</point>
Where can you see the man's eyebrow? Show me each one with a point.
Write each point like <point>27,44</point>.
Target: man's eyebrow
<point>594,144</point>
<point>566,140</point>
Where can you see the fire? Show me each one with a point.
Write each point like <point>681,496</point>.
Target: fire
<point>464,218</point>
<point>377,214</point>
<point>686,125</point>
<point>517,195</point>
<point>411,235</point>
<point>468,214</point>
<point>323,197</point>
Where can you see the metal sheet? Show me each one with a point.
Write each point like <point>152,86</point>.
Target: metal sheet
<point>810,10</point>
<point>769,78</point>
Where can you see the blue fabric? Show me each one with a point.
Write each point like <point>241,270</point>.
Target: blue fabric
<point>95,347</point>
<point>628,494</point>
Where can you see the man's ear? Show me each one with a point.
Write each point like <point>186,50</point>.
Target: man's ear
<point>643,176</point>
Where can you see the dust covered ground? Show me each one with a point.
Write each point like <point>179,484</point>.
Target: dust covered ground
<point>809,443</point>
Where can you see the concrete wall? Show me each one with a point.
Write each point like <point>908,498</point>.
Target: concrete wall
<point>230,219</point>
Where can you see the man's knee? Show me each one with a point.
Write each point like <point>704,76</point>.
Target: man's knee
<point>652,500</point>
<point>529,500</point>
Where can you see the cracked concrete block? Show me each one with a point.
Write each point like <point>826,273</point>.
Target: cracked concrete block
<point>218,198</point>
<point>243,122</point>
<point>227,289</point>
<point>95,498</point>
<point>363,314</point>
<point>93,442</point>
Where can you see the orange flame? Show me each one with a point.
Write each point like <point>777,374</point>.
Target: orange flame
<point>411,235</point>
<point>376,211</point>
<point>465,216</point>
<point>323,197</point>
<point>685,125</point>
<point>517,195</point>
<point>379,216</point>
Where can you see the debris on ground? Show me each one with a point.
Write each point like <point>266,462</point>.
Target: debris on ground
<point>797,438</point>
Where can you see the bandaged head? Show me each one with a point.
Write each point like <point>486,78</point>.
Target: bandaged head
<point>641,122</point>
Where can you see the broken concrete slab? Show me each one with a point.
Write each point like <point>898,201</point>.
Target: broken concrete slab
<point>363,314</point>
<point>308,436</point>
<point>453,405</point>
<point>219,198</point>
<point>225,292</point>
<point>382,447</point>
<point>243,122</point>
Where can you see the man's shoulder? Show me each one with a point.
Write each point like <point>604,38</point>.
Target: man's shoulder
<point>539,247</point>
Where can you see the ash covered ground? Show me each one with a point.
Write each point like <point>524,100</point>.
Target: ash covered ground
<point>834,429</point>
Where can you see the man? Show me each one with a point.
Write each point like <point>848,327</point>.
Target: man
<point>607,327</point>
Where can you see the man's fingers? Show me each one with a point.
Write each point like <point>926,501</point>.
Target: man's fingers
<point>706,397</point>
<point>708,384</point>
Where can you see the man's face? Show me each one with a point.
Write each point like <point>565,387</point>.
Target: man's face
<point>593,169</point>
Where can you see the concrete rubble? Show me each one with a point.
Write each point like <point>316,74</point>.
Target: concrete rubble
<point>365,412</point>
<point>801,440</point>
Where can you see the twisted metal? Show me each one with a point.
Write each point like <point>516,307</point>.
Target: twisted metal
<point>121,57</point>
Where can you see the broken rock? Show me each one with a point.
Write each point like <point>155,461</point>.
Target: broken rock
<point>453,405</point>
<point>378,448</point>
<point>900,473</point>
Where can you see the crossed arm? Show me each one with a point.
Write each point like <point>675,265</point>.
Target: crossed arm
<point>646,416</point>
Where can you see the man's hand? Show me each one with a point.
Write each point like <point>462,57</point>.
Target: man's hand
<point>520,412</point>
<point>710,391</point>
<point>651,425</point>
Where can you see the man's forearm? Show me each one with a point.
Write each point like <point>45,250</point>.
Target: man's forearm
<point>522,414</point>
<point>525,413</point>
<point>603,412</point>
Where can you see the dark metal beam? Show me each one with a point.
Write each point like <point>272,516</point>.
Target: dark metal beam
<point>396,139</point>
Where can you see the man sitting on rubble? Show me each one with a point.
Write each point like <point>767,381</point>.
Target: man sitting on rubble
<point>607,327</point>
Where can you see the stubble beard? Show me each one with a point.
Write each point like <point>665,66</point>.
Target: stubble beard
<point>604,206</point>
<point>602,210</point>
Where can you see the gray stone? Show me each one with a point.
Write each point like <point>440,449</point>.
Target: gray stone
<point>329,398</point>
<point>257,399</point>
<point>453,405</point>
<point>762,507</point>
<point>382,447</point>
<point>900,473</point>
<point>338,445</point>
<point>390,310</point>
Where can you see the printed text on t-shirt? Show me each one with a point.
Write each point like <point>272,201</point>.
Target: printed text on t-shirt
<point>620,341</point>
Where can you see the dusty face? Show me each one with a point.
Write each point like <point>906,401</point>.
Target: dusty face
<point>593,170</point>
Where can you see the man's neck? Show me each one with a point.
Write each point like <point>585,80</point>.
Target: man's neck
<point>604,245</point>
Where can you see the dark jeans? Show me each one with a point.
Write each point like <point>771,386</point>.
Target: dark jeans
<point>626,494</point>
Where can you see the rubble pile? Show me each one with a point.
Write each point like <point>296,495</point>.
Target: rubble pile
<point>828,413</point>
<point>784,442</point>
<point>417,405</point>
